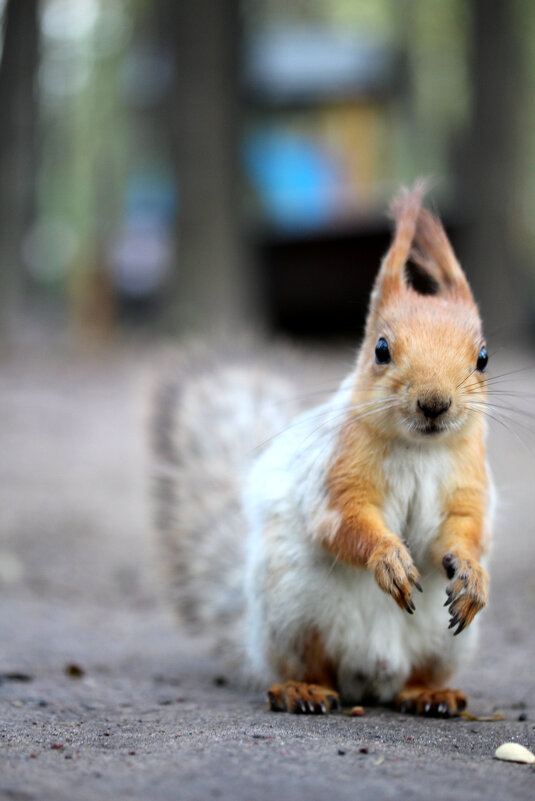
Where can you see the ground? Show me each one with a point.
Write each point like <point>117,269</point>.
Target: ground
<point>102,695</point>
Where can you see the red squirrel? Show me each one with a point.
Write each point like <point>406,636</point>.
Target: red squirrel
<point>347,559</point>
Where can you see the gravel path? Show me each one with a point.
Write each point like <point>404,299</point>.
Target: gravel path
<point>103,696</point>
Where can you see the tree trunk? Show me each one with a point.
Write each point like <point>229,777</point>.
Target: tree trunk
<point>491,176</point>
<point>214,290</point>
<point>18,111</point>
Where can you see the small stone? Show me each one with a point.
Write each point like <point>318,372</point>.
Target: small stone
<point>356,712</point>
<point>74,671</point>
<point>514,752</point>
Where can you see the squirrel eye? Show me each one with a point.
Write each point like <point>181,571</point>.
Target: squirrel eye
<point>382,352</point>
<point>482,360</point>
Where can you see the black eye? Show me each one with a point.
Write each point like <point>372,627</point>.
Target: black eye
<point>382,353</point>
<point>482,360</point>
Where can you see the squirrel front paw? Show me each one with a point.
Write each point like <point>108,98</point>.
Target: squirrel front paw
<point>395,572</point>
<point>467,592</point>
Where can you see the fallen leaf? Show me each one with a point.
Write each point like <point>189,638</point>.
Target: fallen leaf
<point>485,718</point>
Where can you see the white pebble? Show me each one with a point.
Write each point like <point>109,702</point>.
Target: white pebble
<point>514,752</point>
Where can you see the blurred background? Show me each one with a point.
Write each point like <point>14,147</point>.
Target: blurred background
<point>168,167</point>
<point>174,169</point>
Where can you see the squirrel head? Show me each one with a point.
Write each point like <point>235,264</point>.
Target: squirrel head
<point>421,365</point>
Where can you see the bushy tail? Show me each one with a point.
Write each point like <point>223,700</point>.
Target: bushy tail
<point>212,415</point>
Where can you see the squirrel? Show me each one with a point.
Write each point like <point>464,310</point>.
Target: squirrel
<point>327,556</point>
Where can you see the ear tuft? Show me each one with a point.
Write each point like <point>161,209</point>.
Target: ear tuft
<point>420,257</point>
<point>432,250</point>
<point>405,209</point>
<point>408,197</point>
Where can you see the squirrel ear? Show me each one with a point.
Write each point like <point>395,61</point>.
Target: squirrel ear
<point>432,250</point>
<point>391,279</point>
<point>420,237</point>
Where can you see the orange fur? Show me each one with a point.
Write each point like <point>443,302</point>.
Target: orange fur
<point>405,210</point>
<point>424,692</point>
<point>433,251</point>
<point>434,343</point>
<point>310,662</point>
<point>417,380</point>
<point>356,486</point>
<point>355,489</point>
<point>465,502</point>
<point>430,675</point>
<point>319,668</point>
<point>300,697</point>
<point>422,700</point>
<point>310,683</point>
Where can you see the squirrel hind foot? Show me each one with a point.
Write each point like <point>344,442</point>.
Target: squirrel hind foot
<point>444,703</point>
<point>302,699</point>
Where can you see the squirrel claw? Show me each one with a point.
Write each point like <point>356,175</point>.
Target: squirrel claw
<point>334,703</point>
<point>301,698</point>
<point>467,593</point>
<point>444,703</point>
<point>396,573</point>
<point>455,619</point>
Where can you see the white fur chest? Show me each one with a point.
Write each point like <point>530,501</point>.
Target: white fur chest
<point>413,507</point>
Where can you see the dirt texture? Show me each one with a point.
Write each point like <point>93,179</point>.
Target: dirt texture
<point>102,695</point>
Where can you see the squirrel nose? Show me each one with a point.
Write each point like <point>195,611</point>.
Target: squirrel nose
<point>434,407</point>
